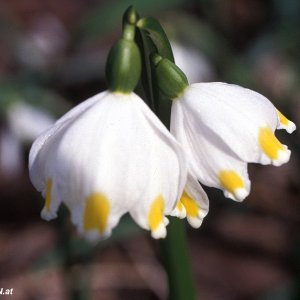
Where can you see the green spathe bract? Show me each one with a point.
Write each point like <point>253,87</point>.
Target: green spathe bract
<point>170,79</point>
<point>157,35</point>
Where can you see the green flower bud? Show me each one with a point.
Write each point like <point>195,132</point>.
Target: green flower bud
<point>123,66</point>
<point>130,16</point>
<point>170,79</point>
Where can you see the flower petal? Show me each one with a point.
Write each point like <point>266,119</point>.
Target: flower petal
<point>96,213</point>
<point>52,200</point>
<point>273,149</point>
<point>37,176</point>
<point>179,210</point>
<point>165,168</point>
<point>285,123</point>
<point>235,116</point>
<point>195,201</point>
<point>210,161</point>
<point>235,186</point>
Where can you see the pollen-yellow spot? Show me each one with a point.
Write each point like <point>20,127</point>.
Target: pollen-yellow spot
<point>269,143</point>
<point>282,119</point>
<point>156,213</point>
<point>48,194</point>
<point>190,205</point>
<point>180,206</point>
<point>96,212</point>
<point>231,180</point>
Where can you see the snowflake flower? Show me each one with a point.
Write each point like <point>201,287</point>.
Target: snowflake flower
<point>108,156</point>
<point>222,127</point>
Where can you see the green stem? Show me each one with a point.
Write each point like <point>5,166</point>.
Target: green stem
<point>76,272</point>
<point>176,259</point>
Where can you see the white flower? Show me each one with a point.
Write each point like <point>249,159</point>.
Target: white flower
<point>25,123</point>
<point>10,154</point>
<point>193,63</point>
<point>223,127</point>
<point>108,156</point>
<point>28,122</point>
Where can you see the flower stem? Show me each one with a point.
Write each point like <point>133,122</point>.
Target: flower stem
<point>76,273</point>
<point>176,259</point>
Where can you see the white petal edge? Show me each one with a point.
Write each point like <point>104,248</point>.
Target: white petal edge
<point>70,115</point>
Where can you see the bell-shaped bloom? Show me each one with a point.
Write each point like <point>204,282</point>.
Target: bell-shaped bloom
<point>223,127</point>
<point>108,156</point>
<point>193,63</point>
<point>28,122</point>
<point>24,124</point>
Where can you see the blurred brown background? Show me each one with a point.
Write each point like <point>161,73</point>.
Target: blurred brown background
<point>52,56</point>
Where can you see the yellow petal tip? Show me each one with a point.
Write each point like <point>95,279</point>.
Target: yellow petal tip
<point>193,212</point>
<point>48,212</point>
<point>48,215</point>
<point>277,153</point>
<point>48,200</point>
<point>282,157</point>
<point>234,185</point>
<point>179,211</point>
<point>160,232</point>
<point>285,123</point>
<point>156,216</point>
<point>96,213</point>
<point>240,194</point>
<point>191,206</point>
<point>195,222</point>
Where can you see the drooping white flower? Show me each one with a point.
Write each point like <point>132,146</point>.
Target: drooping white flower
<point>10,154</point>
<point>24,124</point>
<point>193,63</point>
<point>223,127</point>
<point>108,156</point>
<point>28,122</point>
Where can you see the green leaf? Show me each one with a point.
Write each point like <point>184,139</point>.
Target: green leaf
<point>153,39</point>
<point>157,35</point>
<point>144,88</point>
